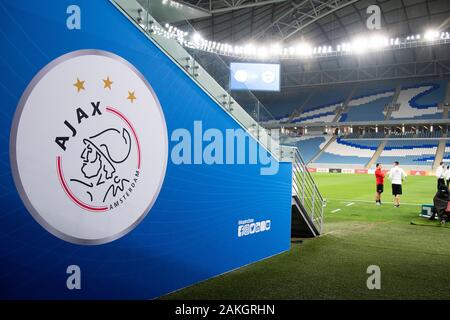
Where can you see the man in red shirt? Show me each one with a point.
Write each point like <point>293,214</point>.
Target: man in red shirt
<point>379,176</point>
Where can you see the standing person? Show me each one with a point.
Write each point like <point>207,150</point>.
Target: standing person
<point>447,176</point>
<point>440,175</point>
<point>379,177</point>
<point>396,175</point>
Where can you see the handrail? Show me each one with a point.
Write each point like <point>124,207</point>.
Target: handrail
<point>308,174</point>
<point>306,190</point>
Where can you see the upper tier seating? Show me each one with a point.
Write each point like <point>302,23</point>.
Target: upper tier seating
<point>281,105</point>
<point>321,106</point>
<point>417,100</point>
<point>420,100</point>
<point>368,102</point>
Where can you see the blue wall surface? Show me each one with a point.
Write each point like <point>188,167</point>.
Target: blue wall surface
<point>189,235</point>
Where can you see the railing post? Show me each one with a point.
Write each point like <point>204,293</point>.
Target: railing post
<point>257,118</point>
<point>321,219</point>
<point>313,202</point>
<point>303,187</point>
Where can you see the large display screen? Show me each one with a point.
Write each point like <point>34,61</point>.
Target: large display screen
<point>255,76</point>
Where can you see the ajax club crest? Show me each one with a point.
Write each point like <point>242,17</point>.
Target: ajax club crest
<point>89,147</point>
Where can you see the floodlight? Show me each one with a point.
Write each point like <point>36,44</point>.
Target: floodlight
<point>431,35</point>
<point>275,49</point>
<point>360,45</point>
<point>262,52</point>
<point>197,37</point>
<point>378,41</point>
<point>304,49</point>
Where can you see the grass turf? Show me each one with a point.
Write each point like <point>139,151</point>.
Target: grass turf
<point>414,260</point>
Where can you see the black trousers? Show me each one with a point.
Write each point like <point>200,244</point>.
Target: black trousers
<point>441,184</point>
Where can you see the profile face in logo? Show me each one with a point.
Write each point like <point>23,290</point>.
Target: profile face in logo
<point>104,152</point>
<point>89,147</point>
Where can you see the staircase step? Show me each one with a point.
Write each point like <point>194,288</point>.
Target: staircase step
<point>322,150</point>
<point>439,153</point>
<point>376,155</point>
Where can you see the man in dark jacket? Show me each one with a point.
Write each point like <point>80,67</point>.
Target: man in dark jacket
<point>440,201</point>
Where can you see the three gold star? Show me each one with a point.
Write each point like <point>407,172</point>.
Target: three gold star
<point>107,83</point>
<point>131,96</point>
<point>79,85</point>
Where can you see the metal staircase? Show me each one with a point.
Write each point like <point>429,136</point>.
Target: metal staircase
<point>307,201</point>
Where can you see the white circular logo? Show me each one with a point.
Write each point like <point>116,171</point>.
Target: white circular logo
<point>241,76</point>
<point>89,147</point>
<point>268,77</point>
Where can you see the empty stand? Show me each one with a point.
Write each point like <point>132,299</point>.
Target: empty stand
<point>369,102</point>
<point>323,104</point>
<point>420,100</point>
<point>366,152</point>
<point>309,146</point>
<point>446,156</point>
<point>417,100</point>
<point>342,151</point>
<point>409,152</point>
<point>376,155</point>
<point>439,153</point>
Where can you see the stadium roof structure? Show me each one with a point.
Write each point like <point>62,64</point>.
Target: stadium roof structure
<point>331,22</point>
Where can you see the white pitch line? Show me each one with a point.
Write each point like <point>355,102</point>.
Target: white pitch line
<point>369,201</point>
<point>349,204</point>
<point>335,210</point>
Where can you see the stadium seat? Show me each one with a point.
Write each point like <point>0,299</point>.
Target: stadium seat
<point>369,102</point>
<point>420,100</point>
<point>309,146</point>
<point>416,100</point>
<point>343,151</point>
<point>409,152</point>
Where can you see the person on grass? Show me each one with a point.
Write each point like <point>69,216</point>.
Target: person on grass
<point>379,177</point>
<point>397,175</point>
<point>440,175</point>
<point>447,176</point>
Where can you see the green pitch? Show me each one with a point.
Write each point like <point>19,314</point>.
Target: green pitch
<point>414,260</point>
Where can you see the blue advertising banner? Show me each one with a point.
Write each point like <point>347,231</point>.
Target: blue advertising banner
<point>118,178</point>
